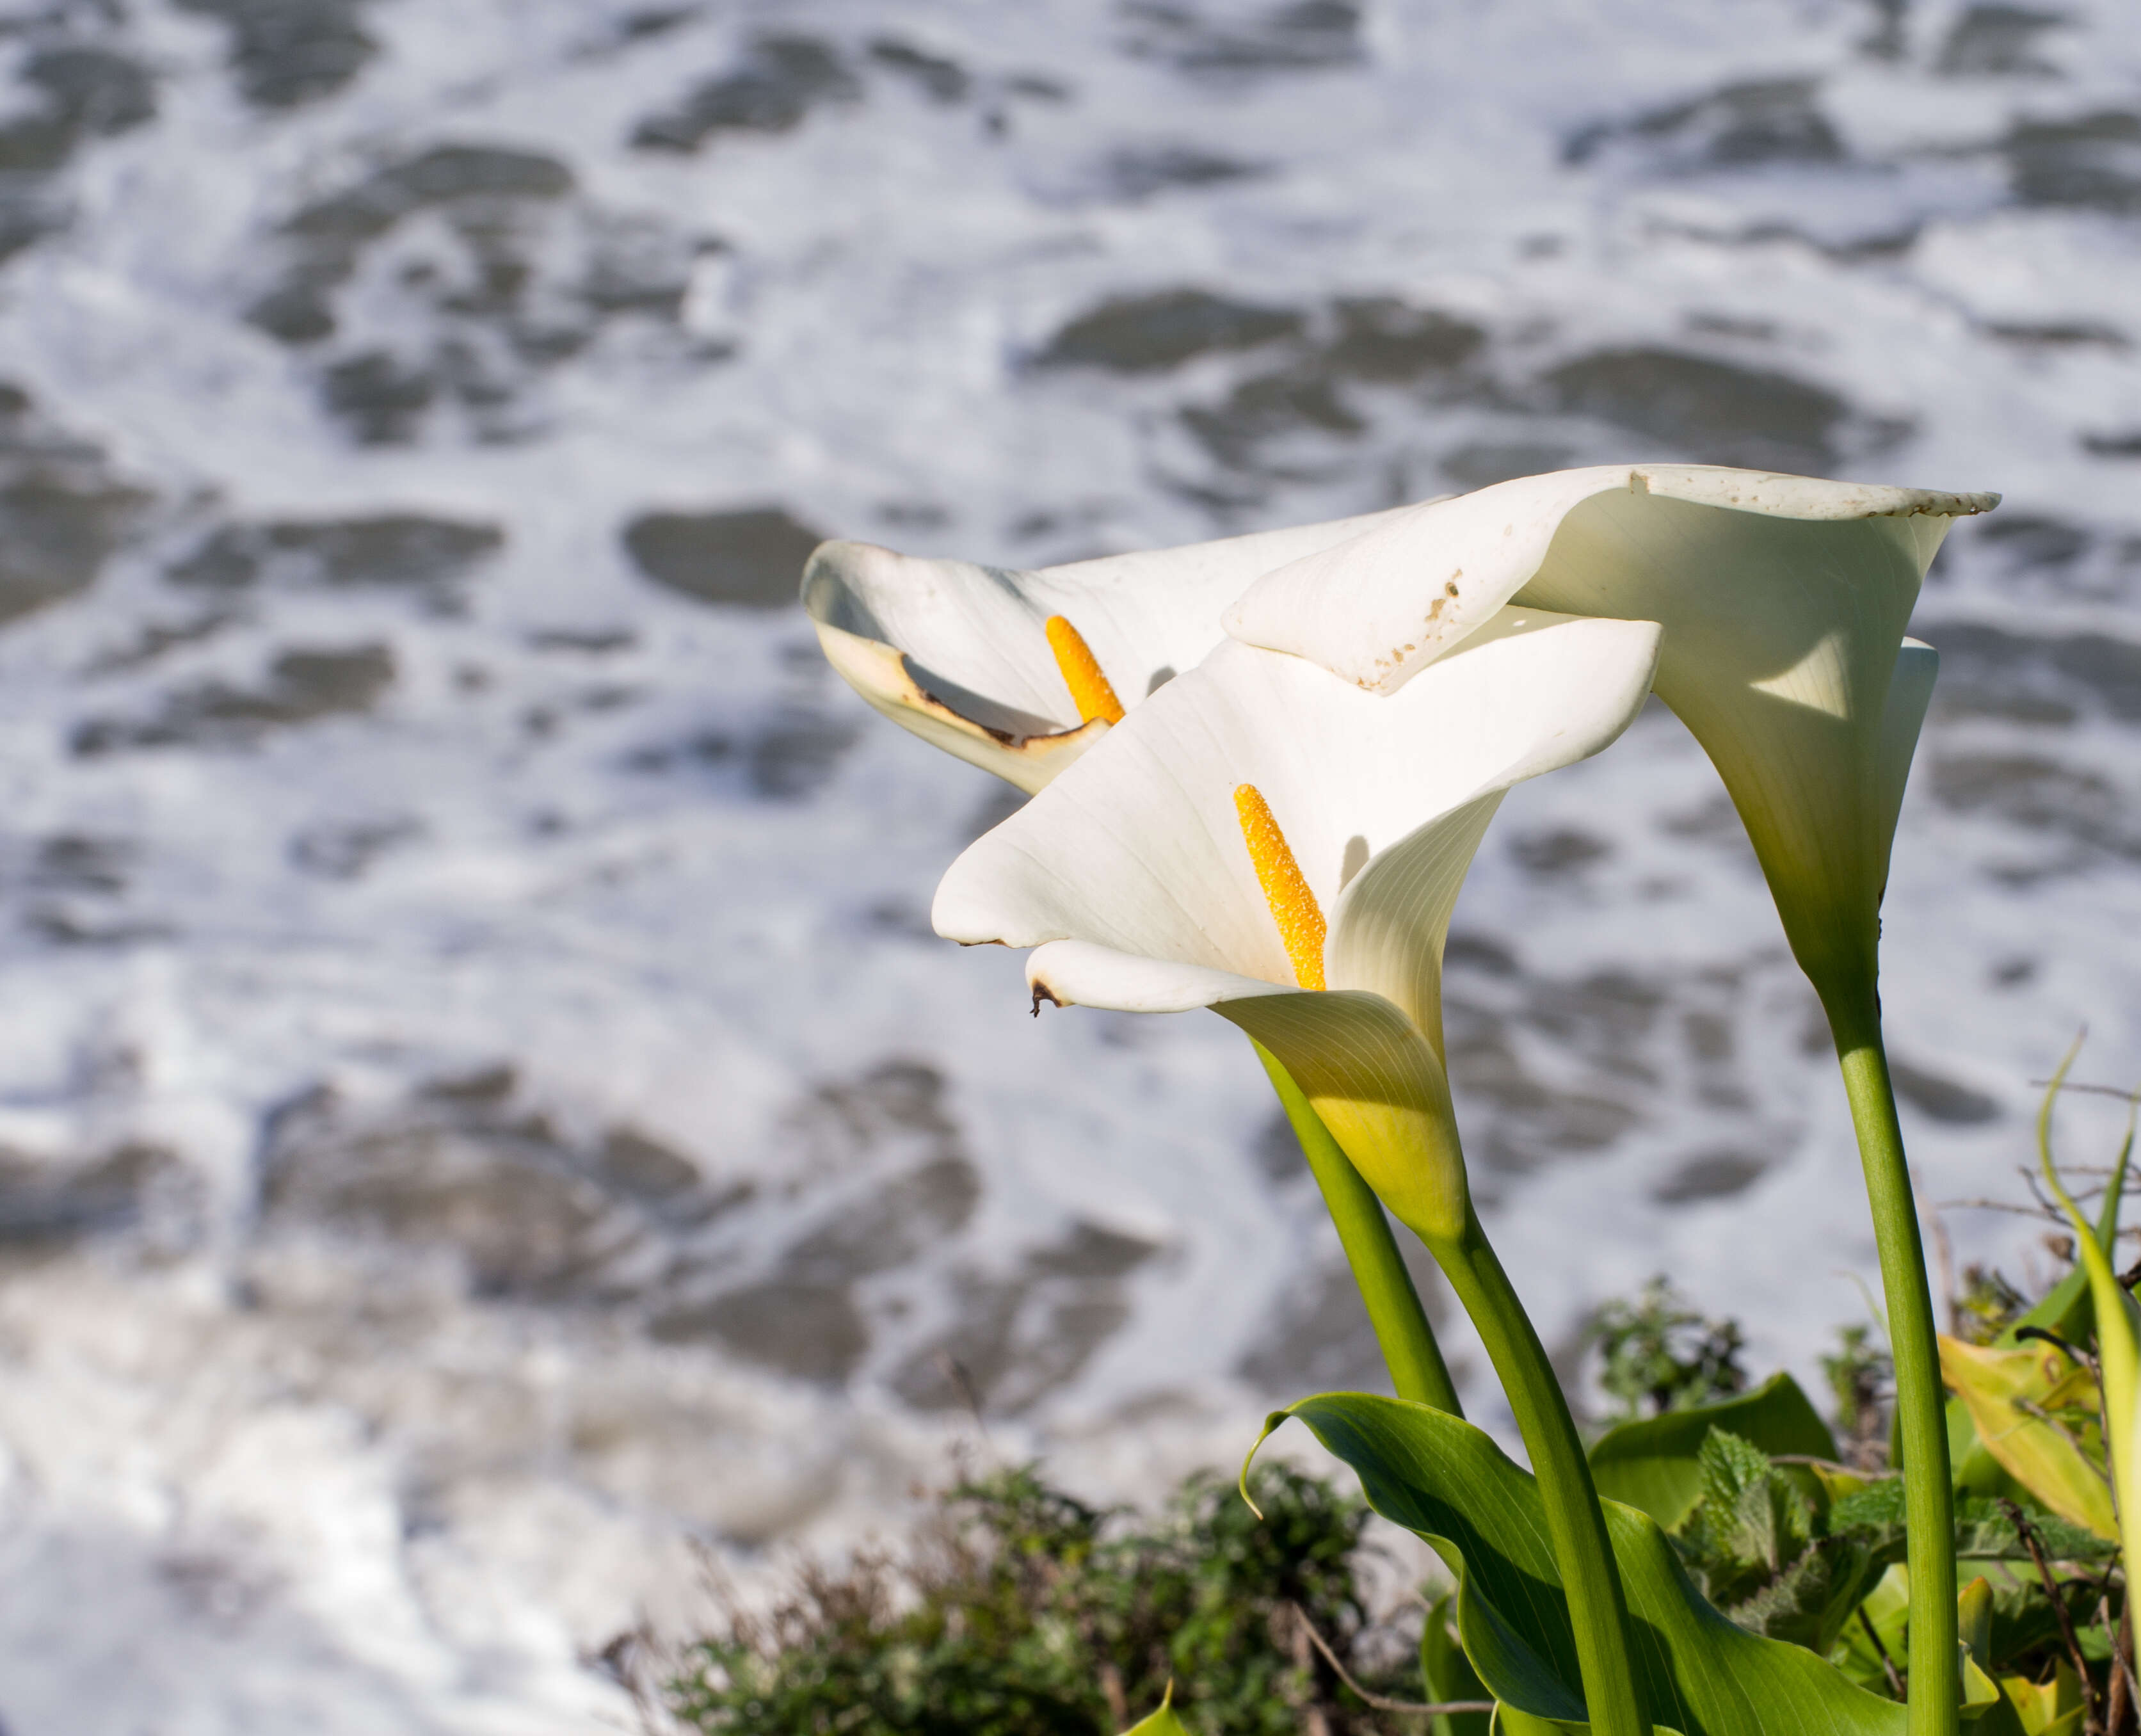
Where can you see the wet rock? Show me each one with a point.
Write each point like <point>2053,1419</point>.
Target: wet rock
<point>1305,36</point>
<point>1134,173</point>
<point>942,80</point>
<point>284,53</point>
<point>1742,126</point>
<point>1997,41</point>
<point>1384,342</point>
<point>71,862</point>
<point>1708,1176</point>
<point>1715,410</point>
<point>1265,411</point>
<point>2124,444</point>
<point>379,398</point>
<point>402,551</point>
<point>481,269</point>
<point>1562,850</point>
<point>304,686</point>
<point>82,93</point>
<point>2053,678</point>
<point>779,81</point>
<point>786,758</point>
<point>2093,161</point>
<point>62,511</point>
<point>809,1331</point>
<point>1017,1337</point>
<point>1151,333</point>
<point>2027,540</point>
<point>46,1206</point>
<point>2061,805</point>
<point>753,557</point>
<point>1942,1099</point>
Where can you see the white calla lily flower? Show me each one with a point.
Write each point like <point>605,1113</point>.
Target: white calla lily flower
<point>1191,861</point>
<point>968,657</point>
<point>1784,601</point>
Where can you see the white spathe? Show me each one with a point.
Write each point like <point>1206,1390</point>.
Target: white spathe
<point>1784,601</point>
<point>1130,876</point>
<point>958,653</point>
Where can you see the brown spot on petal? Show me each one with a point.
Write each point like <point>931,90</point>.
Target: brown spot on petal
<point>1042,992</point>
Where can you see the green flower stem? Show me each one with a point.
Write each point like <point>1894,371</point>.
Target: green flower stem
<point>1597,1605</point>
<point>1936,1692</point>
<point>1410,1351</point>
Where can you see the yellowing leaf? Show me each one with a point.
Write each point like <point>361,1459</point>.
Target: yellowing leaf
<point>2048,1709</point>
<point>2036,1413</point>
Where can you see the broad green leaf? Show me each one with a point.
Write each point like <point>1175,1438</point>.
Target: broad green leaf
<point>1448,1675</point>
<point>1162,1722</point>
<point>1651,1464</point>
<point>2015,1398</point>
<point>1702,1676</point>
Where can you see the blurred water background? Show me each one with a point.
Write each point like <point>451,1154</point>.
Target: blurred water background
<point>481,1113</point>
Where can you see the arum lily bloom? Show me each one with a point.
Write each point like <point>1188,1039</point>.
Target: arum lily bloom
<point>1267,840</point>
<point>1784,601</point>
<point>1021,672</point>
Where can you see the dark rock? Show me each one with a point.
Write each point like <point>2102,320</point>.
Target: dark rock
<point>643,1169</point>
<point>940,80</point>
<point>58,525</point>
<point>286,52</point>
<point>2113,445</point>
<point>1385,341</point>
<point>84,93</point>
<point>1268,409</point>
<point>1561,851</point>
<point>1742,126</point>
<point>2058,804</point>
<point>753,557</point>
<point>2093,161</point>
<point>2049,678</point>
<point>1017,1337</point>
<point>381,398</point>
<point>1715,410</point>
<point>809,1331</point>
<point>1997,40</point>
<point>1138,173</point>
<point>1305,36</point>
<point>399,550</point>
<point>303,686</point>
<point>1942,1099</point>
<point>1149,334</point>
<point>779,81</point>
<point>2027,540</point>
<point>46,1205</point>
<point>1711,1175</point>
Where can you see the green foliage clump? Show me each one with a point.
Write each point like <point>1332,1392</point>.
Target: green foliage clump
<point>1021,1612</point>
<point>1660,1354</point>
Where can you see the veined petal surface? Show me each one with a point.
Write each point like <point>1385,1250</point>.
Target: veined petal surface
<point>1140,848</point>
<point>958,652</point>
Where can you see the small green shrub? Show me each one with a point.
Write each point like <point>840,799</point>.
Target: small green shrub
<point>1021,1612</point>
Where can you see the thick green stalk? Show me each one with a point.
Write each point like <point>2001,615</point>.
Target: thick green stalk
<point>1936,1689</point>
<point>1407,1340</point>
<point>1596,1606</point>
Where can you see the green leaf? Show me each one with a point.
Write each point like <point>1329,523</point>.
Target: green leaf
<point>1448,1675</point>
<point>1162,1722</point>
<point>1700,1675</point>
<point>1651,1464</point>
